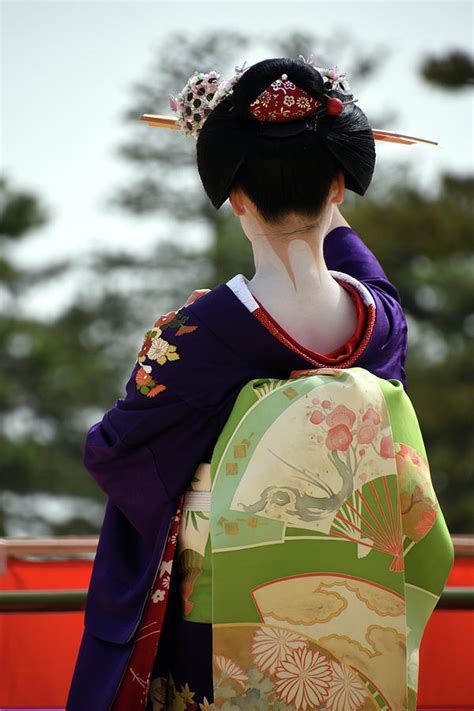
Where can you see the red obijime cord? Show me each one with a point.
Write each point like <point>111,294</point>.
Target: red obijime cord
<point>134,687</point>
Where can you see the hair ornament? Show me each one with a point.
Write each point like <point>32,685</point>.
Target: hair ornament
<point>204,91</point>
<point>200,94</point>
<point>283,101</point>
<point>335,83</point>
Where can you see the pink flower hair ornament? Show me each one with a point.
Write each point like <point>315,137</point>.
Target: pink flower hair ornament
<point>201,93</point>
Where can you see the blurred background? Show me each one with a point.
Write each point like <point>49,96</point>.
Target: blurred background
<point>104,225</point>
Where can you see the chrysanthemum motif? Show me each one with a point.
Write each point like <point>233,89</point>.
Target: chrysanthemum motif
<point>231,670</point>
<point>303,102</point>
<point>303,679</point>
<point>272,646</point>
<point>346,691</point>
<point>206,706</point>
<point>161,351</point>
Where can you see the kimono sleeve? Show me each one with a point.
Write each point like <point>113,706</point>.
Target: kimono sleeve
<point>344,251</point>
<point>146,448</point>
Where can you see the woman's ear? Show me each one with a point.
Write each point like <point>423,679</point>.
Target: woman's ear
<point>235,199</point>
<point>338,189</point>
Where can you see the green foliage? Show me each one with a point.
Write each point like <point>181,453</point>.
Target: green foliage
<point>52,375</point>
<point>20,212</point>
<point>59,378</point>
<point>453,71</point>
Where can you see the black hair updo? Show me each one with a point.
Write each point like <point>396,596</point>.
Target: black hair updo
<point>283,167</point>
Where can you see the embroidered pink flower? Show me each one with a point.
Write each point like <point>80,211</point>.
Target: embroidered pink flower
<point>386,447</point>
<point>316,417</point>
<point>231,670</point>
<point>366,433</point>
<point>341,415</point>
<point>372,415</point>
<point>339,438</point>
<point>346,691</point>
<point>326,404</point>
<point>303,679</point>
<point>271,646</point>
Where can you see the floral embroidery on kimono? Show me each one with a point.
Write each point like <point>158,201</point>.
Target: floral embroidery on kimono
<point>158,349</point>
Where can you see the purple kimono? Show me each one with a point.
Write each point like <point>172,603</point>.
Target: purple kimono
<point>144,452</point>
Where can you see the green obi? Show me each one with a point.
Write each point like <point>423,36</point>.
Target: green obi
<point>315,545</point>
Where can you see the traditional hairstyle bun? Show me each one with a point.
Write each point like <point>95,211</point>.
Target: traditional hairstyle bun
<point>313,148</point>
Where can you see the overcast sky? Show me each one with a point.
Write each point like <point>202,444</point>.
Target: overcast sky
<point>67,68</point>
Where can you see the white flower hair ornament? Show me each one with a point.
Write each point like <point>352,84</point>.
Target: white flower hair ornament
<point>204,91</point>
<point>201,93</point>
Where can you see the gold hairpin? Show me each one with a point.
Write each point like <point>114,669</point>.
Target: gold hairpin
<point>379,134</point>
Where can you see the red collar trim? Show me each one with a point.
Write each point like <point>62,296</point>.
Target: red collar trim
<point>342,357</point>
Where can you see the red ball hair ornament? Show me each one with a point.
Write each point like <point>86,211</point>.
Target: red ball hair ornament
<point>334,106</point>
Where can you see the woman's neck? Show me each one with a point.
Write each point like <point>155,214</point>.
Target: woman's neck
<point>291,270</point>
<point>293,283</point>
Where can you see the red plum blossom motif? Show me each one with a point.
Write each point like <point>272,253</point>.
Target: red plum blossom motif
<point>386,447</point>
<point>372,416</point>
<point>366,433</point>
<point>339,438</point>
<point>341,415</point>
<point>317,417</point>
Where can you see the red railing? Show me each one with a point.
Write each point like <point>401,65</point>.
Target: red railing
<point>44,583</point>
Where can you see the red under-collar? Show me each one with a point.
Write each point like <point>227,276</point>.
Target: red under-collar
<point>340,355</point>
